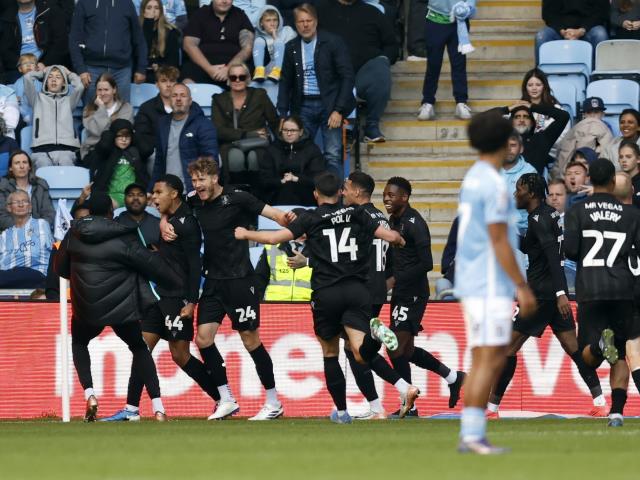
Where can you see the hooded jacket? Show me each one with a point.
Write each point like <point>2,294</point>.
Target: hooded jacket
<point>590,132</point>
<point>284,32</point>
<point>98,121</point>
<point>104,262</point>
<point>197,138</point>
<point>50,33</point>
<point>107,155</point>
<point>41,204</point>
<point>107,33</point>
<point>53,112</point>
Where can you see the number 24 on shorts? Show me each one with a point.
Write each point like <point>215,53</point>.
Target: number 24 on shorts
<point>246,314</point>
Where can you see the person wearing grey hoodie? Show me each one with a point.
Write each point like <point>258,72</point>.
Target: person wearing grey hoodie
<point>54,139</point>
<point>271,35</point>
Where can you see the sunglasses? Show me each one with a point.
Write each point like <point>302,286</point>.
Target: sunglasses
<point>237,78</point>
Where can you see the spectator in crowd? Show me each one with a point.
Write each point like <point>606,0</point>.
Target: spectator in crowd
<point>585,155</point>
<point>146,121</point>
<point>317,83</point>
<point>106,106</point>
<point>537,145</point>
<point>9,110</point>
<point>32,26</point>
<point>175,11</point>
<point>54,138</point>
<point>136,215</point>
<point>183,136</point>
<point>590,132</point>
<point>24,247</point>
<point>251,8</point>
<point>162,38</point>
<point>7,146</point>
<point>444,285</point>
<point>514,167</point>
<point>106,37</point>
<point>442,31</point>
<point>289,166</point>
<point>557,198</point>
<point>244,118</point>
<point>26,63</point>
<point>373,49</point>
<point>576,179</point>
<point>286,7</point>
<point>217,35</point>
<point>629,159</point>
<point>573,20</point>
<point>271,36</point>
<point>629,123</point>
<point>416,42</point>
<point>625,19</point>
<point>117,162</point>
<point>22,177</point>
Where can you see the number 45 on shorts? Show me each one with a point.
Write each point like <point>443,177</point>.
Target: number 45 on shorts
<point>246,314</point>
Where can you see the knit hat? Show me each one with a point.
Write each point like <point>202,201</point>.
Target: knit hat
<point>121,124</point>
<point>589,154</point>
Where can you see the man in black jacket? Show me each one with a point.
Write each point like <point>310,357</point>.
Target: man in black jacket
<point>317,83</point>
<point>146,122</point>
<point>537,145</point>
<point>104,264</point>
<point>373,49</point>
<point>573,20</point>
<point>45,34</point>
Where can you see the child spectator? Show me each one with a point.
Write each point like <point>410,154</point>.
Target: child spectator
<point>590,132</point>
<point>117,162</point>
<point>442,31</point>
<point>54,138</point>
<point>98,115</point>
<point>162,38</point>
<point>9,110</point>
<point>26,63</point>
<point>625,19</point>
<point>271,35</point>
<point>629,159</point>
<point>7,146</point>
<point>21,177</point>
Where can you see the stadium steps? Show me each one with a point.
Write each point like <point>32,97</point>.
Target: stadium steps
<point>434,156</point>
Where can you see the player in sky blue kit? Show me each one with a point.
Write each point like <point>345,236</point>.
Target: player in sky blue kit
<point>487,274</point>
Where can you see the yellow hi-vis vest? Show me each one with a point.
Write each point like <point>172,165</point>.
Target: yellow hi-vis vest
<point>285,283</point>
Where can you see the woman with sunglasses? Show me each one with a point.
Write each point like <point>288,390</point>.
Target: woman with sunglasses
<point>21,177</point>
<point>289,166</point>
<point>243,116</point>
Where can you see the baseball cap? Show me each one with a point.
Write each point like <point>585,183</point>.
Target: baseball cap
<point>593,104</point>
<point>133,185</point>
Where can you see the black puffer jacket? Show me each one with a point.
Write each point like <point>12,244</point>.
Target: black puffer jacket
<point>107,266</point>
<point>302,158</point>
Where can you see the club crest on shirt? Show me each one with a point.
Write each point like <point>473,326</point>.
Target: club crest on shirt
<point>253,290</point>
<point>225,200</point>
<point>412,219</point>
<point>535,217</point>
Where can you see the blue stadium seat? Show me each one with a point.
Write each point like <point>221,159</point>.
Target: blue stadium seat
<point>617,94</point>
<point>565,93</point>
<point>571,59</point>
<point>26,137</point>
<point>140,93</point>
<point>254,254</point>
<point>201,93</point>
<point>268,224</point>
<point>617,59</point>
<point>64,182</point>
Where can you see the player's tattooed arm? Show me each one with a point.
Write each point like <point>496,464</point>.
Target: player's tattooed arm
<point>266,237</point>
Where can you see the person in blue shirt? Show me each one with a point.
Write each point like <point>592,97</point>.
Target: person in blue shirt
<point>513,168</point>
<point>486,273</point>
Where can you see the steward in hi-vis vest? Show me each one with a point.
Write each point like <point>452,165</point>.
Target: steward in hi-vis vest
<point>282,282</point>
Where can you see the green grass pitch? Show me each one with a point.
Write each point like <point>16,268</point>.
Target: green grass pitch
<point>315,449</point>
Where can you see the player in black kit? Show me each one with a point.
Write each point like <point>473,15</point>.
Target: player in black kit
<point>409,268</point>
<point>171,318</point>
<point>545,275</point>
<point>339,240</point>
<point>599,234</point>
<point>230,287</point>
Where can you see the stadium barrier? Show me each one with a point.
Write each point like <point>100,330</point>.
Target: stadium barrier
<point>31,368</point>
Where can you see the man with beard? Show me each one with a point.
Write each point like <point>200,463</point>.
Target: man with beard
<point>135,215</point>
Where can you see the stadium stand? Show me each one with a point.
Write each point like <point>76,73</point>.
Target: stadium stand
<point>64,182</point>
<point>568,60</point>
<point>26,137</point>
<point>201,93</point>
<point>140,93</point>
<point>617,95</point>
<point>566,94</point>
<point>617,59</point>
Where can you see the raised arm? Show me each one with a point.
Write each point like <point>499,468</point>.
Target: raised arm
<point>266,237</point>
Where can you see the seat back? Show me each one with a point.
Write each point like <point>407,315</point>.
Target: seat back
<point>565,93</point>
<point>617,94</point>
<point>254,254</point>
<point>64,182</point>
<point>26,137</point>
<point>140,93</point>
<point>566,56</point>
<point>618,56</point>
<point>201,93</point>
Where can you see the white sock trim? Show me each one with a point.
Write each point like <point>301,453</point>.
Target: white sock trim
<point>88,392</point>
<point>157,405</point>
<point>131,408</point>
<point>452,377</point>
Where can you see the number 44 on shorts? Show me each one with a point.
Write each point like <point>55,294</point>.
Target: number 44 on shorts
<point>175,324</point>
<point>246,314</point>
